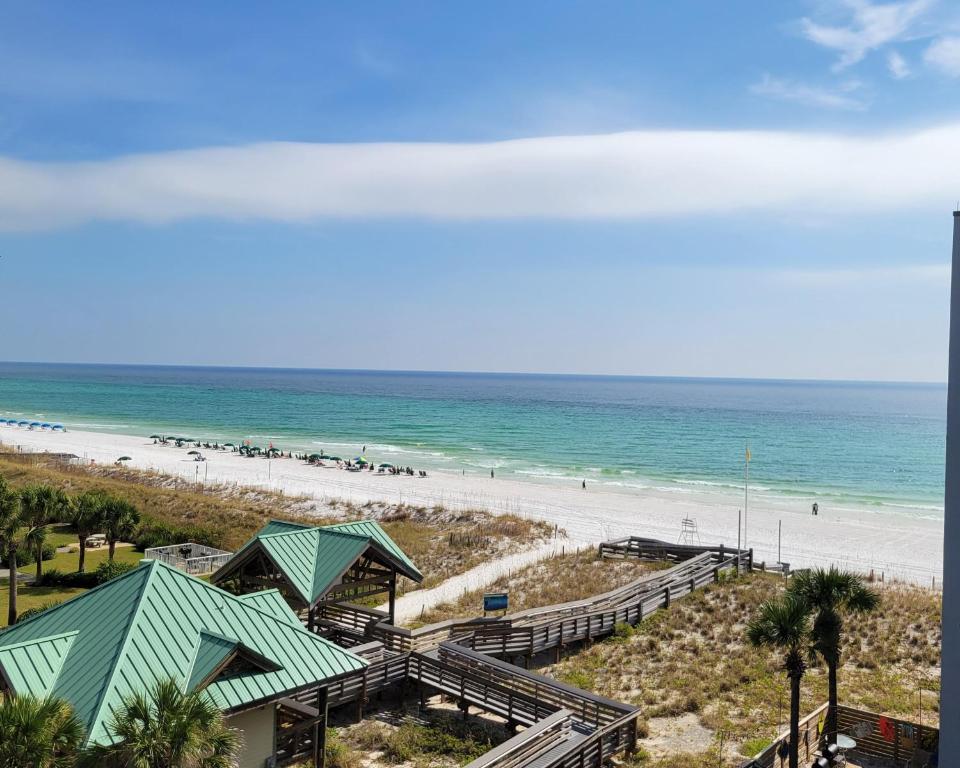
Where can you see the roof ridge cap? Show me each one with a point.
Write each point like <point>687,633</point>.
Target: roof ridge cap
<point>152,570</point>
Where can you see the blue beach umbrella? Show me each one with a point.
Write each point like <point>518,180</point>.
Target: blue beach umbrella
<point>22,423</point>
<point>34,423</point>
<point>58,426</point>
<point>46,425</point>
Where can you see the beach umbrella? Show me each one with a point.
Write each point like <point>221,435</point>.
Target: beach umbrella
<point>193,453</point>
<point>228,445</point>
<point>156,437</point>
<point>124,458</point>
<point>34,423</point>
<point>23,423</point>
<point>361,460</point>
<point>46,425</point>
<point>386,465</point>
<point>58,426</point>
<point>316,456</point>
<point>334,458</point>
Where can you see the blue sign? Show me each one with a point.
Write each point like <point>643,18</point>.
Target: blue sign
<point>495,601</point>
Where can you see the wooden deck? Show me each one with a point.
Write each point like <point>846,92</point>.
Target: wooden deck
<point>565,727</point>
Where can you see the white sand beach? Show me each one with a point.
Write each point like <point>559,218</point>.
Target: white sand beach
<point>901,546</point>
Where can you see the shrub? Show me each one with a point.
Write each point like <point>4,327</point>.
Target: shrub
<point>152,534</point>
<point>57,578</point>
<point>752,747</point>
<point>111,569</point>
<point>337,754</point>
<point>31,612</point>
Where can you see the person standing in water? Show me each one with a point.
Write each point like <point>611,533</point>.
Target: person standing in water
<point>584,485</point>
<point>491,474</point>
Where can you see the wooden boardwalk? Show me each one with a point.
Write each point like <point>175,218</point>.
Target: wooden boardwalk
<point>565,727</point>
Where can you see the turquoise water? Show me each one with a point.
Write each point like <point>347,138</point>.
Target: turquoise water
<point>865,443</point>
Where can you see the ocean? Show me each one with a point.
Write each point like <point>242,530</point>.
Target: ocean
<point>875,444</point>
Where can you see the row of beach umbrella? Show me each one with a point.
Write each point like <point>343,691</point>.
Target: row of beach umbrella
<point>31,424</point>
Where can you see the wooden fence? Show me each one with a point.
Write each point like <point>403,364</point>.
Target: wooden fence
<point>877,736</point>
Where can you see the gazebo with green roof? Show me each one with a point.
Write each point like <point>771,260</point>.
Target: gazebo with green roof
<point>319,567</point>
<point>248,653</point>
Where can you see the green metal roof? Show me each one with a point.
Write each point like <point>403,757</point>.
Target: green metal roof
<point>153,623</point>
<point>313,559</point>
<point>373,530</point>
<point>34,664</point>
<point>271,601</point>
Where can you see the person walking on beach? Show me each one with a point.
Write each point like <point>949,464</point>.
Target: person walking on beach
<point>584,485</point>
<point>491,474</point>
<point>816,509</point>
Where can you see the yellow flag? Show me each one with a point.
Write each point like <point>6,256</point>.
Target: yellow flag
<point>748,453</point>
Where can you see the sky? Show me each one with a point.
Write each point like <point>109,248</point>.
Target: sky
<point>745,189</point>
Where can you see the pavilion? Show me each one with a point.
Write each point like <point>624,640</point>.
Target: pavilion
<point>250,653</point>
<point>318,568</point>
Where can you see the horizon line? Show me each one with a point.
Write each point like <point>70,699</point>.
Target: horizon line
<point>556,374</point>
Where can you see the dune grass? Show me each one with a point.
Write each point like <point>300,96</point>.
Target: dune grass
<point>694,658</point>
<point>558,579</point>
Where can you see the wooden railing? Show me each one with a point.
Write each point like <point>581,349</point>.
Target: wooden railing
<point>899,740</point>
<point>528,745</point>
<point>809,743</point>
<point>586,707</point>
<point>471,688</point>
<point>597,749</point>
<point>457,657</point>
<point>539,629</point>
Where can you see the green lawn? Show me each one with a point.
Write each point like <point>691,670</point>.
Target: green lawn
<point>33,597</point>
<point>69,561</point>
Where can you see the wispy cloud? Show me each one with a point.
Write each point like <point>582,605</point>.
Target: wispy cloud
<point>624,175</point>
<point>868,27</point>
<point>897,66</point>
<point>944,56</point>
<point>809,95</point>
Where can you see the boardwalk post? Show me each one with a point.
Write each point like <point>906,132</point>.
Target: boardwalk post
<point>320,730</point>
<point>666,596</point>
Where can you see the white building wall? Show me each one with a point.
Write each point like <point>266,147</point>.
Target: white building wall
<point>257,728</point>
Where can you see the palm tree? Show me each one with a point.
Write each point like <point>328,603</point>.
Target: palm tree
<point>120,519</point>
<point>166,728</point>
<point>784,624</point>
<point>829,594</point>
<point>42,504</point>
<point>11,521</point>
<point>85,516</point>
<point>39,733</point>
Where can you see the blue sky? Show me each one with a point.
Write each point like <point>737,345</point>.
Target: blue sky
<point>732,189</point>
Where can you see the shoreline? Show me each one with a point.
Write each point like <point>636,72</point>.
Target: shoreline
<point>904,547</point>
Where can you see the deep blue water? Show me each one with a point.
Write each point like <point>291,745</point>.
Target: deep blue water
<point>871,443</point>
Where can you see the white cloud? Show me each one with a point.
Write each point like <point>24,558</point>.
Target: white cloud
<point>624,175</point>
<point>811,96</point>
<point>899,69</point>
<point>869,26</point>
<point>944,55</point>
